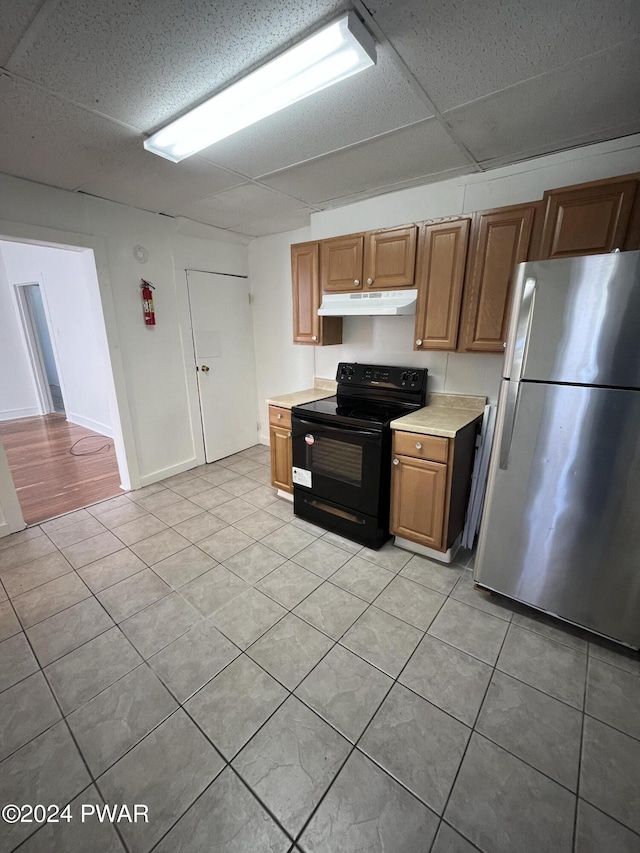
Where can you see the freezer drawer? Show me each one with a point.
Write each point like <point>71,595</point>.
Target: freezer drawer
<point>561,529</point>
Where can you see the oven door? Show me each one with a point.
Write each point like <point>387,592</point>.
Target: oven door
<point>342,464</point>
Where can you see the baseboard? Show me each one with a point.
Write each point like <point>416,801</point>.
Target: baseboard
<point>14,414</point>
<point>89,423</point>
<point>441,556</point>
<point>156,476</point>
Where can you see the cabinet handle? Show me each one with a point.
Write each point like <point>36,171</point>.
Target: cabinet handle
<point>314,337</point>
<point>418,445</point>
<point>396,461</point>
<point>418,343</point>
<point>356,281</point>
<point>279,416</point>
<point>369,281</point>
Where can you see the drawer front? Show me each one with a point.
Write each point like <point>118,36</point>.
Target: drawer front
<point>280,417</point>
<point>420,446</point>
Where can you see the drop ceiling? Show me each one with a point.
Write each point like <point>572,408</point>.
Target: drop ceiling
<point>460,86</point>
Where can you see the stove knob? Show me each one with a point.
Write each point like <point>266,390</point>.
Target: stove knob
<point>414,377</point>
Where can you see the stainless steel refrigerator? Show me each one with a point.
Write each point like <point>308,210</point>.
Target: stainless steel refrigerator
<point>561,525</point>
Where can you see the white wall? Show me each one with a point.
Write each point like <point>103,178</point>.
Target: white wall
<point>389,340</point>
<point>152,366</point>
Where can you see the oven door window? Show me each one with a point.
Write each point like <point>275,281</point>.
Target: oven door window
<point>337,459</point>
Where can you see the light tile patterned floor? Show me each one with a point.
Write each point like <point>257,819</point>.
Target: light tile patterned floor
<point>262,685</point>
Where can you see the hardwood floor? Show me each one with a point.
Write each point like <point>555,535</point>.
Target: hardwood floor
<point>48,479</point>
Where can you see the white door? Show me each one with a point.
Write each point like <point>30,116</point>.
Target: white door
<point>11,519</point>
<point>225,361</point>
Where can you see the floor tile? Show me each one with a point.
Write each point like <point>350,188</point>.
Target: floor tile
<point>281,508</point>
<point>80,675</point>
<point>320,557</point>
<point>20,537</point>
<point>9,623</point>
<point>289,584</point>
<point>254,562</point>
<point>613,696</point>
<point>362,578</point>
<point>111,570</point>
<point>239,486</point>
<point>120,514</point>
<point>159,624</point>
<point>537,728</point>
<point>244,466</point>
<point>470,630</point>
<point>308,527</point>
<point>46,770</point>
<point>176,479</point>
<point>610,772</point>
<point>193,659</point>
<point>366,810</point>
<point>219,476</point>
<point>65,631</point>
<point>64,520</point>
<point>258,524</point>
<point>50,598</point>
<point>439,576</point>
<point>184,566</point>
<point>418,744</point>
<point>115,720</point>
<point>288,540</point>
<point>247,617</point>
<point>25,552</point>
<point>447,677</point>
<point>33,574</point>
<point>139,528</point>
<point>331,609</point>
<point>552,628</point>
<point>501,804</point>
<point>26,710</point>
<point>342,542</point>
<point>264,496</point>
<point>76,532</point>
<point>3,594</point>
<point>75,836</point>
<point>290,650</point>
<point>291,762</point>
<point>551,667</point>
<point>450,841</point>
<point>383,640</point>
<point>596,833</point>
<point>159,546</point>
<point>16,660</point>
<point>410,602</point>
<point>234,510</point>
<point>178,512</point>
<point>345,690</point>
<point>110,504</point>
<point>233,706</point>
<point>141,777</point>
<point>132,594</point>
<point>92,549</point>
<point>145,491</point>
<point>212,498</point>
<point>225,543</point>
<point>466,592</point>
<point>213,589</point>
<point>158,499</point>
<point>227,817</point>
<point>388,557</point>
<point>189,488</point>
<point>200,526</point>
<point>615,655</point>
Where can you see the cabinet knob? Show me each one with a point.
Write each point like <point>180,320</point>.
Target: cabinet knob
<point>418,343</point>
<point>279,416</point>
<point>314,337</point>
<point>356,281</point>
<point>504,345</point>
<point>396,461</point>
<point>369,281</point>
<point>288,435</point>
<point>418,445</point>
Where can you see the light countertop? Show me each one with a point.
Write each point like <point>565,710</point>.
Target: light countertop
<point>445,415</point>
<point>322,388</point>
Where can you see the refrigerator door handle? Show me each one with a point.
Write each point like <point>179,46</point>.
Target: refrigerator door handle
<point>521,340</point>
<point>510,412</point>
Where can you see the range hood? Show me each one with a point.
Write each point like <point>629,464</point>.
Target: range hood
<point>387,302</point>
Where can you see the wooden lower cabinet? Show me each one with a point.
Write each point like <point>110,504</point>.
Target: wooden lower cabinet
<point>281,449</point>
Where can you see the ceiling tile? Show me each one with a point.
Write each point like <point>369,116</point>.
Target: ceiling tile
<point>46,140</point>
<point>593,99</point>
<point>15,17</point>
<point>410,154</point>
<point>145,62</point>
<point>235,207</point>
<point>275,223</point>
<point>369,104</point>
<point>143,179</point>
<point>461,50</point>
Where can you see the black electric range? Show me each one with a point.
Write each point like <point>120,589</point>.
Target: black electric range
<point>342,449</point>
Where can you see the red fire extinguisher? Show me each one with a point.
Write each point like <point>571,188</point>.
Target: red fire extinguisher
<point>147,302</point>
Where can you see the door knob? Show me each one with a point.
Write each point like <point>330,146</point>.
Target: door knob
<point>205,368</point>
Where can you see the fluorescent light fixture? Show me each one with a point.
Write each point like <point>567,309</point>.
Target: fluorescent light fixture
<point>334,53</point>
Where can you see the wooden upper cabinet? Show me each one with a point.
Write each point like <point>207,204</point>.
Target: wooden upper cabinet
<point>499,240</point>
<point>308,328</point>
<point>442,254</point>
<point>341,263</point>
<point>586,220</point>
<point>390,258</point>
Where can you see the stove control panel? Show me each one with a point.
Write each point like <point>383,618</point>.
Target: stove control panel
<point>376,375</point>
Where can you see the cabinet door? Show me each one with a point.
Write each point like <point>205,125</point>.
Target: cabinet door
<point>308,328</point>
<point>341,263</point>
<point>588,220</point>
<point>499,240</point>
<point>418,491</point>
<point>390,258</point>
<point>281,462</point>
<point>442,254</point>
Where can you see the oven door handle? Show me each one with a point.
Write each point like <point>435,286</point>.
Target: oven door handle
<point>310,426</point>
